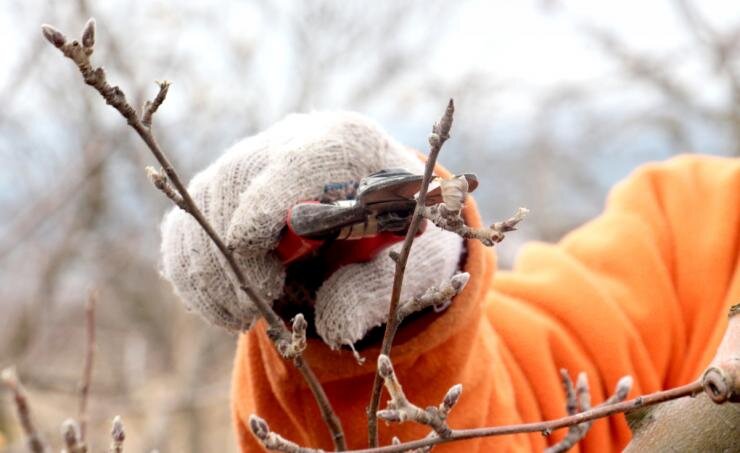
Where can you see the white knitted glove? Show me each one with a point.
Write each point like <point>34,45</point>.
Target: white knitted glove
<point>246,194</point>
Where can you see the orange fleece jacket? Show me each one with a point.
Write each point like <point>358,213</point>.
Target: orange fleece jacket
<point>641,290</point>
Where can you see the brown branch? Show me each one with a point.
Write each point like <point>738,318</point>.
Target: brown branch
<point>89,359</point>
<point>546,427</point>
<point>10,379</point>
<point>400,409</point>
<point>433,297</point>
<point>451,220</point>
<point>118,435</point>
<point>80,54</point>
<point>613,405</point>
<point>440,134</point>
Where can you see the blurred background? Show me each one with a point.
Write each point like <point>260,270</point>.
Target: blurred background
<point>556,101</point>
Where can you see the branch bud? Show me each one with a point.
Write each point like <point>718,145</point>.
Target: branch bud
<point>458,281</point>
<point>434,140</point>
<point>390,415</point>
<point>623,388</point>
<point>454,192</point>
<point>259,427</point>
<point>70,432</point>
<point>117,432</point>
<point>385,367</point>
<point>452,396</point>
<point>53,35</point>
<point>88,33</point>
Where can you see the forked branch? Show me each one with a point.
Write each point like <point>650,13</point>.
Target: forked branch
<point>79,52</point>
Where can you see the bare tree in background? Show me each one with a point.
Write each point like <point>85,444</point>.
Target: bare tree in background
<point>238,68</point>
<point>67,228</point>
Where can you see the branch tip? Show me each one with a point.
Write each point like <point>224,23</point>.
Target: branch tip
<point>117,432</point>
<point>259,427</point>
<point>88,34</point>
<point>452,396</point>
<point>54,36</point>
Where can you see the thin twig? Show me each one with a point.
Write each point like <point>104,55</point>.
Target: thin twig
<point>435,297</point>
<point>451,220</point>
<point>9,378</point>
<point>87,368</point>
<point>80,53</point>
<point>545,427</point>
<point>440,134</point>
<point>580,399</point>
<point>400,409</point>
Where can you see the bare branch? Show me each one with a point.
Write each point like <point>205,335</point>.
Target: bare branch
<point>440,134</point>
<point>87,368</point>
<point>150,107</point>
<point>451,220</point>
<point>400,409</point>
<point>613,405</point>
<point>579,400</point>
<point>435,297</point>
<point>547,426</point>
<point>114,96</point>
<point>9,378</point>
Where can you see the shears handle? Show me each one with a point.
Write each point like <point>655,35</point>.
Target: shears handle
<point>293,246</point>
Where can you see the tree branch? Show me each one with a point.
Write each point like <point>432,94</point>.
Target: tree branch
<point>23,409</point>
<point>607,408</point>
<point>79,53</point>
<point>87,368</point>
<point>440,134</point>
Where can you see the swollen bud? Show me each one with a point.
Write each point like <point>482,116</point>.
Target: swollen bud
<point>88,33</point>
<point>259,427</point>
<point>53,35</point>
<point>452,396</point>
<point>458,281</point>
<point>454,192</point>
<point>117,432</point>
<point>623,388</point>
<point>70,432</point>
<point>385,368</point>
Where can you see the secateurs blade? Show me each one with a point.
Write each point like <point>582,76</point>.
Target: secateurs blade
<point>378,216</point>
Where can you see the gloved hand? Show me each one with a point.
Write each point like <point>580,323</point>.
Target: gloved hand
<point>246,194</point>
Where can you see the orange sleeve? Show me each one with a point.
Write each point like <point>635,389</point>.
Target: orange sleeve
<point>642,290</point>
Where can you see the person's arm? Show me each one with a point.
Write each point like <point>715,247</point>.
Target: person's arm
<point>642,290</point>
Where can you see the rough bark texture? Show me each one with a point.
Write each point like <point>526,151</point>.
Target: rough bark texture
<point>686,425</point>
<point>694,424</point>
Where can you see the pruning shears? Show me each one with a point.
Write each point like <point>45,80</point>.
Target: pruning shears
<point>378,216</point>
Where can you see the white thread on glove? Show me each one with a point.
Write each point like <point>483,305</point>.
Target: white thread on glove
<point>246,193</point>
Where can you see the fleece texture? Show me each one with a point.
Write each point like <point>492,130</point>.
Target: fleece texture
<point>641,290</point>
